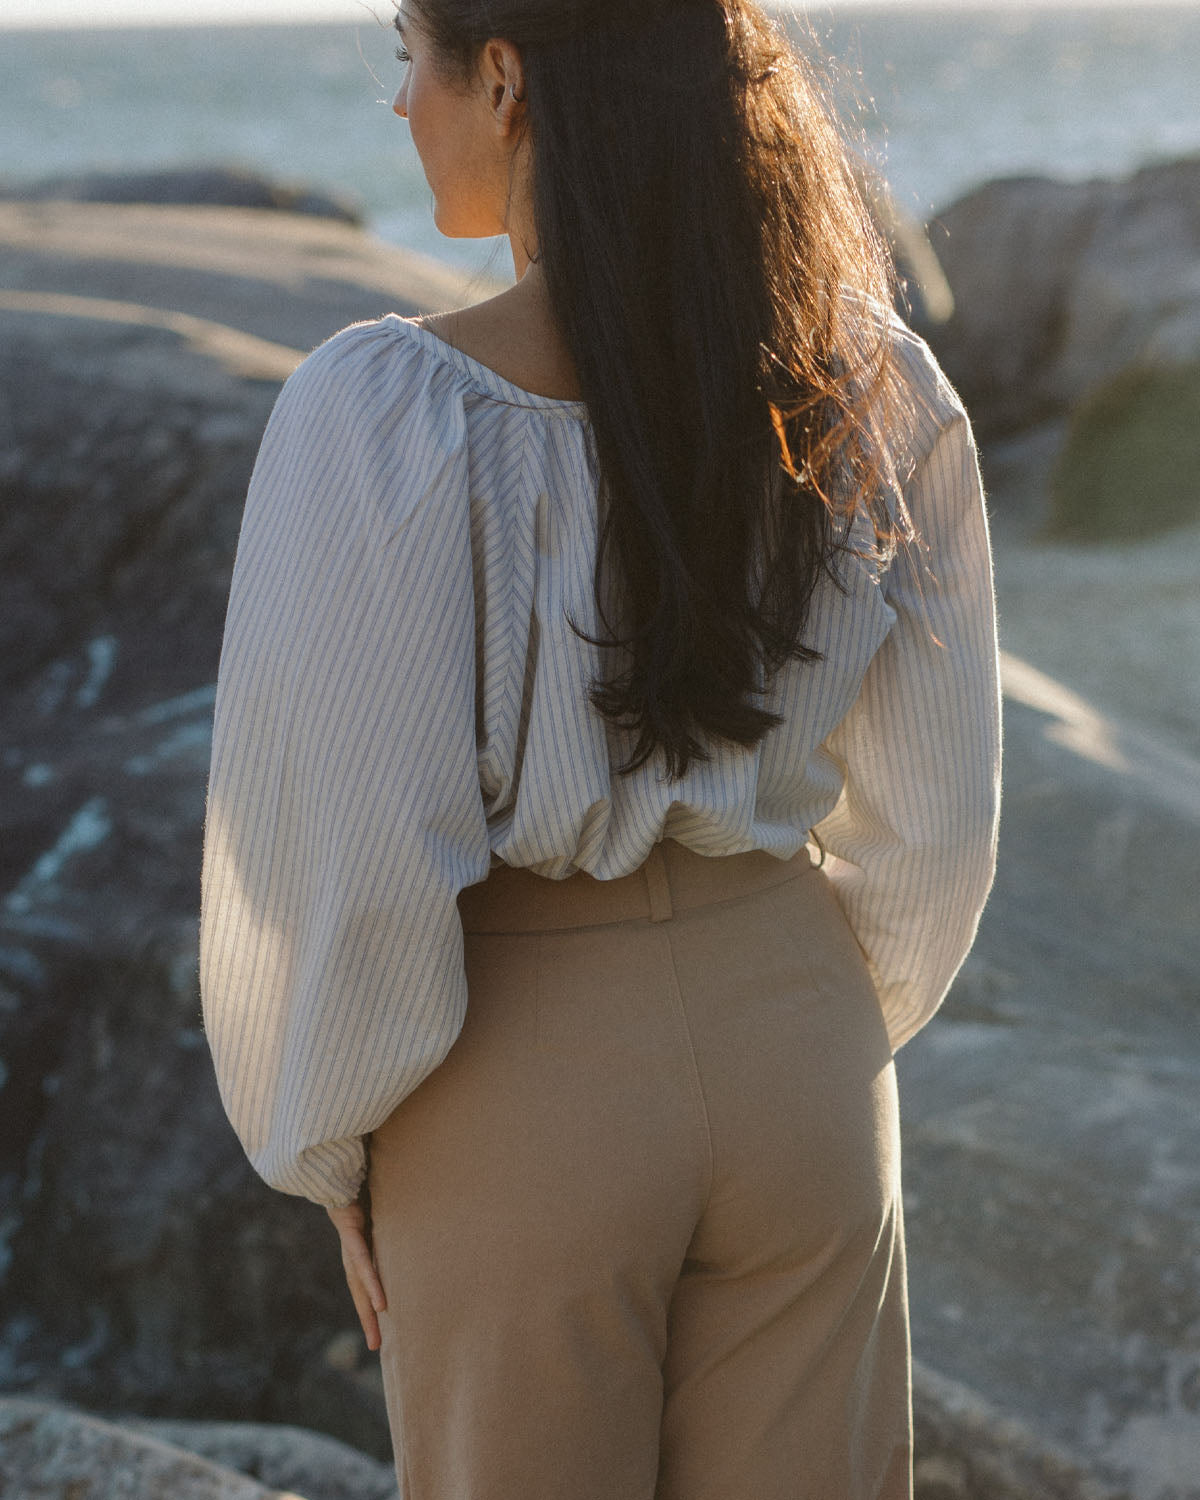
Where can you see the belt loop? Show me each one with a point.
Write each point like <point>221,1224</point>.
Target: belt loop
<point>658,887</point>
<point>815,838</point>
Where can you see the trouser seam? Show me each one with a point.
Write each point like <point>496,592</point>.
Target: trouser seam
<point>697,1080</point>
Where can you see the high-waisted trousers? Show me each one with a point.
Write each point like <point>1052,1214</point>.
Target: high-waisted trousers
<point>641,1233</point>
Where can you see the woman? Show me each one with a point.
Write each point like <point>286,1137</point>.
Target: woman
<point>562,627</point>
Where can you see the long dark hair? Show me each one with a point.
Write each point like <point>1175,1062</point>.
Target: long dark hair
<point>721,289</point>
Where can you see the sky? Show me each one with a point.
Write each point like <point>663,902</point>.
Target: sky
<point>75,13</point>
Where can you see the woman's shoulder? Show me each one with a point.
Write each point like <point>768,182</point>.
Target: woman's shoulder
<point>921,376</point>
<point>350,382</point>
<point>363,426</point>
<point>388,415</point>
<point>363,355</point>
<point>937,402</point>
<point>925,403</point>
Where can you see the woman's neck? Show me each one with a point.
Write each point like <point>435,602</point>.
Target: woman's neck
<point>516,335</point>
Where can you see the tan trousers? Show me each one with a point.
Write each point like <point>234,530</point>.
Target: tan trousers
<point>641,1233</point>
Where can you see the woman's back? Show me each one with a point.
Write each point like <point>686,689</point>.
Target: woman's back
<point>559,627</point>
<point>416,581</point>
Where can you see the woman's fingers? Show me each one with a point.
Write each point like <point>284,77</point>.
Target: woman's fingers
<point>366,1313</point>
<point>366,1289</point>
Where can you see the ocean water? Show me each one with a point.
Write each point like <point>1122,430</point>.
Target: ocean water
<point>944,100</point>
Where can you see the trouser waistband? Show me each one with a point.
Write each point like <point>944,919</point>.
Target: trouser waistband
<point>673,879</point>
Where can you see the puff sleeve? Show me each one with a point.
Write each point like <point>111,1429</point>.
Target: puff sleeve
<point>911,842</point>
<point>344,813</point>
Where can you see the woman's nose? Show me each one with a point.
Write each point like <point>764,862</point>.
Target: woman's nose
<point>400,103</point>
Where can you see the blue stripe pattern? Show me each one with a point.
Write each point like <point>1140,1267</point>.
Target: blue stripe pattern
<point>401,701</point>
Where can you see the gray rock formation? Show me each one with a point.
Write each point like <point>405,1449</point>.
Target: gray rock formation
<point>146,1267</point>
<point>126,439</point>
<point>1052,1141</point>
<point>214,186</point>
<point>1130,463</point>
<point>281,1457</point>
<point>57,1454</point>
<point>288,280</point>
<point>967,1449</point>
<point>1058,286</point>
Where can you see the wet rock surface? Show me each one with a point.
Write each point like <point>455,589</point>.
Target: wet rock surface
<point>1052,1157</point>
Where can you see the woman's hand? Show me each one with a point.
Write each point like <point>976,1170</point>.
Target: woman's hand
<point>361,1275</point>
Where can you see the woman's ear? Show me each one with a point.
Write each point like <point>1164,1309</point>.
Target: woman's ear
<point>504,77</point>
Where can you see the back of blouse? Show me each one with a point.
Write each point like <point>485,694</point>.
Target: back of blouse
<point>402,699</point>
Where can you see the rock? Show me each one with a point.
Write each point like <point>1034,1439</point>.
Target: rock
<point>1130,465</point>
<point>967,1450</point>
<point>130,416</point>
<point>1058,286</point>
<point>1052,1144</point>
<point>149,1266</point>
<point>283,1458</point>
<point>213,186</point>
<point>128,439</point>
<point>127,442</point>
<point>1121,623</point>
<point>58,1454</point>
<point>284,278</point>
<point>176,1281</point>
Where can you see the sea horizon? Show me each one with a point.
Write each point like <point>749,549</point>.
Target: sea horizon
<point>940,98</point>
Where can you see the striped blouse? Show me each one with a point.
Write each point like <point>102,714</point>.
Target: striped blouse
<point>402,701</point>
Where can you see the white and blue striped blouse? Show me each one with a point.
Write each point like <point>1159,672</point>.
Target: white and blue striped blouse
<point>402,700</point>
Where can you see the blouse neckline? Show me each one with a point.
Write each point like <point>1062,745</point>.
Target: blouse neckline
<point>482,376</point>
